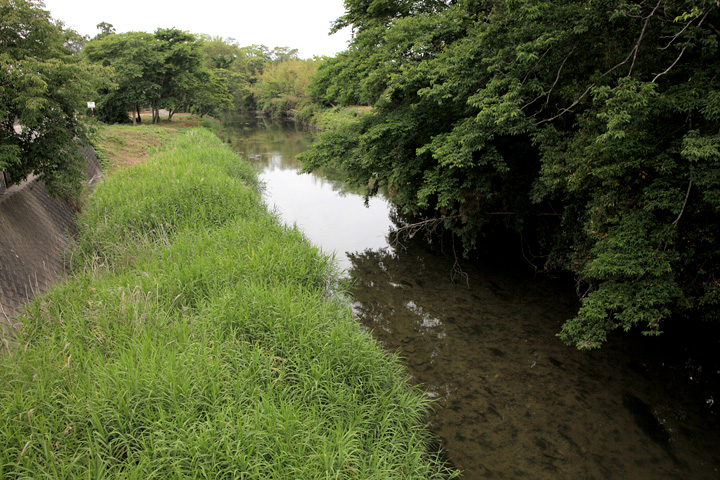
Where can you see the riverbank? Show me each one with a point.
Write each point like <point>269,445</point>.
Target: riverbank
<point>197,338</point>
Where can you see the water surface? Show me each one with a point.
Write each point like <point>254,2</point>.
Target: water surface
<point>335,218</point>
<point>511,401</point>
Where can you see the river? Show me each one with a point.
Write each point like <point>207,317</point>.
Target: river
<point>510,400</point>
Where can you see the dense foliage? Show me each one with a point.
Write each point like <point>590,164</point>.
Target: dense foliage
<point>282,89</point>
<point>592,127</point>
<point>43,84</point>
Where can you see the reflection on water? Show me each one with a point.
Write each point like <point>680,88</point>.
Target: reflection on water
<point>331,215</point>
<point>512,402</point>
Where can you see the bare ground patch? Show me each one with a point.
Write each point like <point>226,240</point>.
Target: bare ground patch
<point>122,146</point>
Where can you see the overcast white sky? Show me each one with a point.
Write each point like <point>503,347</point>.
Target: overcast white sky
<point>274,23</point>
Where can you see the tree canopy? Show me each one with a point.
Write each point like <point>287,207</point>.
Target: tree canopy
<point>43,84</point>
<point>161,70</point>
<point>591,127</point>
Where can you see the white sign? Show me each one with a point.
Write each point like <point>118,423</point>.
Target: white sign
<point>91,104</point>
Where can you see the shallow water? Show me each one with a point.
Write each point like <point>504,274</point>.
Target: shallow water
<point>511,401</point>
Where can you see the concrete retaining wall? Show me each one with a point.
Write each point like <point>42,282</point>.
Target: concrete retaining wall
<point>35,230</point>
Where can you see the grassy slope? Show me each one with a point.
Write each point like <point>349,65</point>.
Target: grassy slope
<point>196,339</point>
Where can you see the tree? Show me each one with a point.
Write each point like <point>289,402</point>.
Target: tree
<point>283,86</point>
<point>220,53</point>
<point>257,57</point>
<point>43,85</point>
<point>212,94</point>
<point>161,70</point>
<point>283,54</point>
<point>180,71</point>
<point>231,73</point>
<point>590,127</point>
<point>105,29</point>
<point>134,60</point>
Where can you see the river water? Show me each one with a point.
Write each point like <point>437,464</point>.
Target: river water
<point>511,401</point>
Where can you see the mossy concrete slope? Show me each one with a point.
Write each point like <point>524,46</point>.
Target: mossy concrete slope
<point>35,229</point>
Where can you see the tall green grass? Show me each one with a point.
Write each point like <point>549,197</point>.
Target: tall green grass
<point>197,339</point>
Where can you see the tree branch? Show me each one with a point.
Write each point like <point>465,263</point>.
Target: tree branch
<point>675,37</point>
<point>457,270</point>
<point>566,109</point>
<point>535,64</point>
<point>670,67</point>
<point>430,225</point>
<point>557,77</point>
<point>682,210</point>
<point>682,51</point>
<point>633,53</point>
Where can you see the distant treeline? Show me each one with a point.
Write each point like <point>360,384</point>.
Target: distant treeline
<point>178,71</point>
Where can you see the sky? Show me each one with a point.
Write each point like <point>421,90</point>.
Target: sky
<point>274,23</point>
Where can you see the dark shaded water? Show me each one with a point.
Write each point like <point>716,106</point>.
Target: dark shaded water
<point>511,400</point>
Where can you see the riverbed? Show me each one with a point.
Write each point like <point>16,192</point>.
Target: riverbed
<point>511,400</point>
